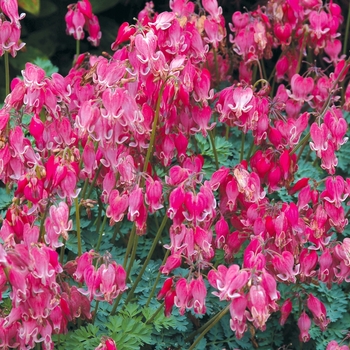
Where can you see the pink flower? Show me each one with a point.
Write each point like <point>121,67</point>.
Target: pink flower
<point>286,309</point>
<point>198,292</point>
<point>107,344</point>
<point>182,295</point>
<point>240,101</point>
<point>229,281</point>
<point>153,196</point>
<point>10,9</point>
<point>301,88</point>
<point>80,17</point>
<point>333,345</point>
<point>258,305</point>
<point>304,324</point>
<point>308,260</point>
<point>239,316</point>
<point>57,224</point>
<point>113,281</point>
<point>284,265</point>
<point>319,311</point>
<point>117,206</point>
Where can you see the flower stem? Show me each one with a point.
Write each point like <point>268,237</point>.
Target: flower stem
<point>77,217</point>
<point>149,256</point>
<point>93,182</point>
<point>101,233</point>
<point>129,246</point>
<point>62,252</point>
<point>263,69</point>
<point>154,128</point>
<point>211,137</point>
<point>116,303</point>
<point>242,147</point>
<point>95,312</point>
<point>227,132</point>
<point>42,221</point>
<point>208,326</point>
<point>132,257</point>
<point>157,279</point>
<point>77,49</point>
<point>217,74</point>
<point>301,52</point>
<point>155,313</point>
<point>347,29</point>
<point>7,73</point>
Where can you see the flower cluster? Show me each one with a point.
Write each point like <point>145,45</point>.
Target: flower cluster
<point>79,18</point>
<point>10,28</point>
<point>125,124</point>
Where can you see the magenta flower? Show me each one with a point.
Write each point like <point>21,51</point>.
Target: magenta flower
<point>319,311</point>
<point>304,324</point>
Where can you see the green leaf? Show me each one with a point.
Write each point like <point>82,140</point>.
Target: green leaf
<point>46,65</point>
<point>83,338</point>
<point>5,198</point>
<point>29,55</point>
<point>129,333</point>
<point>31,6</point>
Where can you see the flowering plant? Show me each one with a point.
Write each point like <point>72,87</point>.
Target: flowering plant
<point>183,173</point>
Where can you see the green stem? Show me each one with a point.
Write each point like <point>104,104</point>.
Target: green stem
<point>99,215</point>
<point>77,217</point>
<point>208,327</point>
<point>129,246</point>
<point>116,303</point>
<point>305,139</point>
<point>217,74</point>
<point>86,182</point>
<point>92,183</point>
<point>156,221</point>
<point>77,49</point>
<point>261,81</point>
<point>251,150</point>
<point>255,69</point>
<point>115,232</point>
<point>154,128</point>
<point>272,75</point>
<point>347,29</point>
<point>157,279</point>
<point>62,251</point>
<point>42,228</point>
<point>211,137</point>
<point>242,147</point>
<point>7,73</point>
<point>155,314</point>
<point>148,258</point>
<point>227,133</point>
<point>95,312</point>
<point>132,235</point>
<point>132,257</point>
<point>301,151</point>
<point>301,52</point>
<point>263,69</point>
<point>101,233</point>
